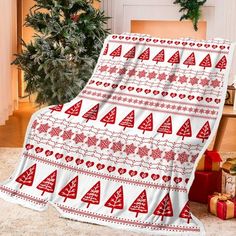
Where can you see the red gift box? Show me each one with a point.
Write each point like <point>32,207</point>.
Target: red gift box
<point>222,206</point>
<point>204,184</point>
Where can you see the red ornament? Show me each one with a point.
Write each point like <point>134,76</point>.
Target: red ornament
<point>116,201</point>
<point>185,213</point>
<point>27,177</point>
<point>128,121</point>
<point>140,204</point>
<point>93,195</point>
<point>185,130</point>
<point>106,50</point>
<point>204,132</point>
<point>92,113</point>
<point>145,55</point>
<point>221,64</point>
<point>160,57</point>
<point>164,208</point>
<point>166,127</point>
<point>48,184</point>
<point>56,108</point>
<point>190,61</point>
<point>74,110</point>
<point>147,124</point>
<point>116,52</point>
<point>70,190</point>
<point>206,62</point>
<point>130,53</point>
<point>175,58</point>
<point>110,117</point>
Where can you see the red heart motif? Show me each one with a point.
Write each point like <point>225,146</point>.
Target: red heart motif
<point>155,176</point>
<point>121,171</point>
<point>173,95</point>
<point>100,166</point>
<point>155,92</point>
<point>58,156</point>
<point>199,98</point>
<point>91,81</point>
<point>114,36</point>
<point>134,38</point>
<point>114,86</point>
<point>130,88</point>
<point>207,45</point>
<point>177,180</point>
<point>79,161</point>
<point>89,164</point>
<point>192,44</point>
<point>177,42</point>
<point>69,158</point>
<point>155,40</point>
<point>181,96</point>
<point>190,97</point>
<point>98,83</point>
<point>222,47</point>
<point>199,45</point>
<point>121,37</point>
<point>169,42</point>
<point>162,41</point>
<point>214,46</point>
<point>127,38</point>
<point>143,175</point>
<point>186,181</point>
<point>122,87</point>
<point>166,178</point>
<point>29,146</point>
<point>164,94</point>
<point>141,39</point>
<point>38,149</point>
<point>208,100</point>
<point>217,100</point>
<point>48,153</point>
<point>106,84</point>
<point>133,173</point>
<point>184,43</point>
<point>139,90</point>
<point>111,168</point>
<point>147,91</point>
<point>148,40</point>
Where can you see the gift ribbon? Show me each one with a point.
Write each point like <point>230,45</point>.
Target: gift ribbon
<point>221,203</point>
<point>210,157</point>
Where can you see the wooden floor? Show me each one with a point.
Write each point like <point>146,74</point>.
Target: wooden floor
<point>12,134</point>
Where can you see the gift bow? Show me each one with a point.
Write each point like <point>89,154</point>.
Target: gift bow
<point>221,196</point>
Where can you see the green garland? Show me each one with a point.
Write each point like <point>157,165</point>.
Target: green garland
<point>191,10</point>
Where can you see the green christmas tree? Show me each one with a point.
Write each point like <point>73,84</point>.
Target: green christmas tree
<point>60,59</point>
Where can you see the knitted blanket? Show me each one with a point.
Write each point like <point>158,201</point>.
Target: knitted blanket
<point>124,151</point>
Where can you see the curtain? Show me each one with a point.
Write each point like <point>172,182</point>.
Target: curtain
<point>8,46</point>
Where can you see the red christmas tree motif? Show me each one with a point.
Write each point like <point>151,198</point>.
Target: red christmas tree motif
<point>166,127</point>
<point>145,55</point>
<point>93,195</point>
<point>128,121</point>
<point>185,213</point>
<point>175,58</point>
<point>70,190</point>
<point>116,201</point>
<point>221,64</point>
<point>204,132</point>
<point>130,53</point>
<point>106,50</point>
<point>185,130</point>
<point>206,62</point>
<point>190,61</point>
<point>74,110</point>
<point>116,52</point>
<point>160,57</point>
<point>48,184</point>
<point>140,204</point>
<point>56,108</point>
<point>27,177</point>
<point>110,117</point>
<point>147,124</point>
<point>92,113</point>
<point>164,208</point>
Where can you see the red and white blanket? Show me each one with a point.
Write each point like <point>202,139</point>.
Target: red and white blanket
<point>124,151</point>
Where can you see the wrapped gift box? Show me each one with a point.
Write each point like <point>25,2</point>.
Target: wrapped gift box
<point>230,166</point>
<point>222,206</point>
<point>204,184</point>
<point>210,161</point>
<point>228,183</point>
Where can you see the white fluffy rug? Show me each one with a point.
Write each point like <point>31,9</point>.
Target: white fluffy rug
<point>16,220</point>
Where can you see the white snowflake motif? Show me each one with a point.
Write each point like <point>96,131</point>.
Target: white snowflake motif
<point>182,157</point>
<point>156,153</point>
<point>104,143</point>
<point>117,146</point>
<point>143,151</point>
<point>194,158</point>
<point>130,149</point>
<point>55,131</point>
<point>92,141</point>
<point>43,128</point>
<point>169,156</point>
<point>79,138</point>
<point>67,134</point>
